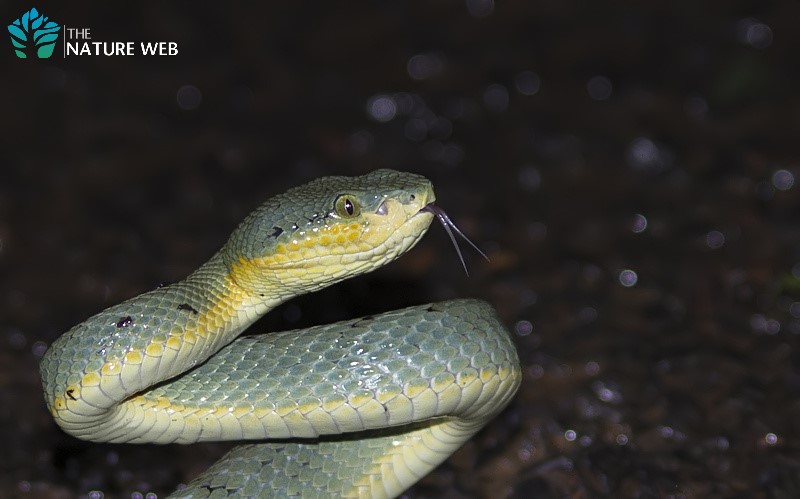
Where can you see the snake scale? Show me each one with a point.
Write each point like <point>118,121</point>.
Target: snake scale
<point>360,408</point>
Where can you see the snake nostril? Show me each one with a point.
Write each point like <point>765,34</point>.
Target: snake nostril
<point>382,209</point>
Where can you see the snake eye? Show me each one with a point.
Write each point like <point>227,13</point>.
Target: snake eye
<point>346,206</point>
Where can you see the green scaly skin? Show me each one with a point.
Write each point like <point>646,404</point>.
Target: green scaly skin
<point>362,408</point>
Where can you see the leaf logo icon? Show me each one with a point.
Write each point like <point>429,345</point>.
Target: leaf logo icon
<point>33,34</point>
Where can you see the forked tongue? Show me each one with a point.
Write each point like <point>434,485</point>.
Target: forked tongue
<point>450,227</point>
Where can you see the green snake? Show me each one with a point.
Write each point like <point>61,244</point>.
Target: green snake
<point>361,408</point>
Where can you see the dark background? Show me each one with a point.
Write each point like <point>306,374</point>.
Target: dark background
<point>552,131</point>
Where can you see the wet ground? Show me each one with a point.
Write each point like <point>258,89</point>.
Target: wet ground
<point>630,169</point>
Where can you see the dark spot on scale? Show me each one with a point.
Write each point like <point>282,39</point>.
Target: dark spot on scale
<point>124,321</point>
<point>362,320</point>
<point>295,227</point>
<point>430,308</point>
<point>211,488</point>
<point>70,393</point>
<point>186,306</point>
<point>276,231</point>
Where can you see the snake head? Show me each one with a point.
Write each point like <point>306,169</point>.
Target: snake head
<point>327,230</point>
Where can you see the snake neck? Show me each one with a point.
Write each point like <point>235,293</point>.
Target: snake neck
<point>223,301</point>
<point>173,328</point>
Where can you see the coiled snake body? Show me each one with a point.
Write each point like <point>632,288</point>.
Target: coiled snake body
<point>361,408</point>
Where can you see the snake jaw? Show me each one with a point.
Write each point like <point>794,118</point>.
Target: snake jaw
<point>330,249</point>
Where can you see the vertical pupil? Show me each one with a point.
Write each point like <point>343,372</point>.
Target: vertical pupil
<point>348,206</point>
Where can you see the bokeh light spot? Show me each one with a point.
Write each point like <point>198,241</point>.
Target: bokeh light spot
<point>599,88</point>
<point>645,155</point>
<point>696,107</point>
<point>38,349</point>
<point>523,328</point>
<point>639,223</point>
<point>424,66</point>
<point>189,97</point>
<point>529,178</point>
<point>416,130</point>
<point>480,8</point>
<point>628,278</point>
<point>381,108</point>
<point>783,180</point>
<point>527,83</point>
<point>715,239</point>
<point>753,32</point>
<point>495,98</point>
<point>771,438</point>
